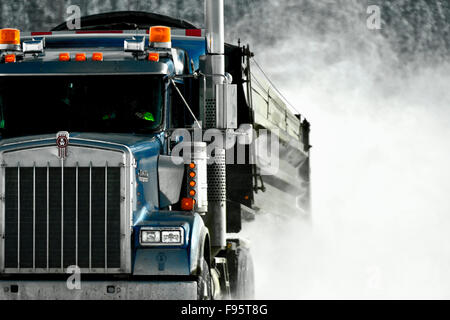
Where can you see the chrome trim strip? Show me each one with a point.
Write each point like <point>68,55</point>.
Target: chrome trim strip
<point>2,217</point>
<point>106,215</point>
<point>62,215</point>
<point>76,214</point>
<point>81,74</point>
<point>18,215</point>
<point>48,214</point>
<point>34,216</point>
<point>58,270</point>
<point>90,216</point>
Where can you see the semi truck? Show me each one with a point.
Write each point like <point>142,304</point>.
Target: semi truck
<point>133,152</point>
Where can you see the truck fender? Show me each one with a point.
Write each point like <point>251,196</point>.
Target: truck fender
<point>200,247</point>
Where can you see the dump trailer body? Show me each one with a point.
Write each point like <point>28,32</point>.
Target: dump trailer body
<point>288,183</point>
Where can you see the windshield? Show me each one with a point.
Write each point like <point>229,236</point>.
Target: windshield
<point>113,104</point>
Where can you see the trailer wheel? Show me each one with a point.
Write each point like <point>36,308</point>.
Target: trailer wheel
<point>204,286</point>
<point>242,277</point>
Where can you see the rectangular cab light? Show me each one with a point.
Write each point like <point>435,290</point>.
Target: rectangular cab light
<point>33,46</point>
<point>137,44</point>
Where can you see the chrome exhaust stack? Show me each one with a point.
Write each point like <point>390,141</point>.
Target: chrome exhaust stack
<point>219,101</point>
<point>215,38</point>
<point>218,109</point>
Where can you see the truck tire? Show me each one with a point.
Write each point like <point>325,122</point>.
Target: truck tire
<point>204,285</point>
<point>242,277</point>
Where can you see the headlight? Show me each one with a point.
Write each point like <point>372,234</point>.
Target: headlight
<point>171,236</point>
<point>153,236</point>
<point>150,236</point>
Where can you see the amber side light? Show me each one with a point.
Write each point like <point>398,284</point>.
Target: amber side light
<point>187,204</point>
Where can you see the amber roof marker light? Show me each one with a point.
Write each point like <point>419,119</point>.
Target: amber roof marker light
<point>160,37</point>
<point>97,56</point>
<point>64,56</point>
<point>80,57</point>
<point>153,56</point>
<point>10,39</point>
<point>10,58</point>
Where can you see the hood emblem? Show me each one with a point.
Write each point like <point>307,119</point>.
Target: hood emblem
<point>62,141</point>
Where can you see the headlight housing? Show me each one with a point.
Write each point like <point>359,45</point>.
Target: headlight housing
<point>156,236</point>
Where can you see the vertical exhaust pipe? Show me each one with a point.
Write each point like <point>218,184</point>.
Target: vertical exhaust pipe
<point>214,66</point>
<point>215,37</point>
<point>218,103</point>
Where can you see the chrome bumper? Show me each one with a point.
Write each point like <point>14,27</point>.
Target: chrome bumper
<point>98,290</point>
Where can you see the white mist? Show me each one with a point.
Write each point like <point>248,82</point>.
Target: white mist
<point>380,170</point>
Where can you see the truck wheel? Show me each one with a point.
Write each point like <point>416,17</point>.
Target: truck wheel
<point>204,286</point>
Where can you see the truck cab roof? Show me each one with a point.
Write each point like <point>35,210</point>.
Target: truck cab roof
<point>187,45</point>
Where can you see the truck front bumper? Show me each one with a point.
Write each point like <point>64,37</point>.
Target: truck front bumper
<point>99,290</point>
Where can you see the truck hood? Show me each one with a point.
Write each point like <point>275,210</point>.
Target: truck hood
<point>145,152</point>
<point>130,141</point>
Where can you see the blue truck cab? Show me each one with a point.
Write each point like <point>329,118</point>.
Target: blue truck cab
<point>133,151</point>
<point>88,182</point>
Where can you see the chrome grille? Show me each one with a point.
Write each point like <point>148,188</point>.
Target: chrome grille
<point>57,216</point>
